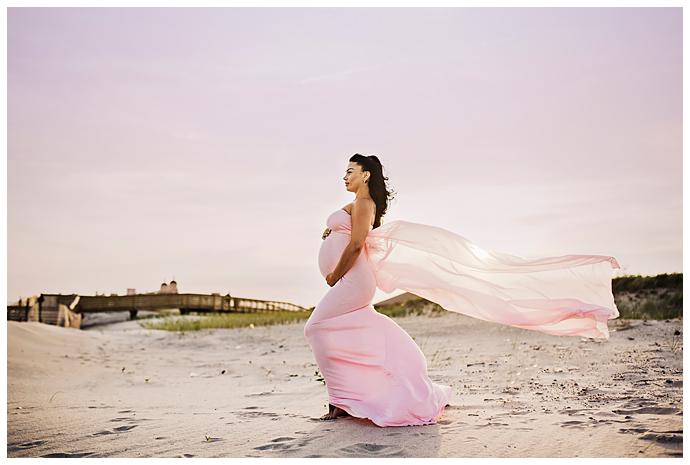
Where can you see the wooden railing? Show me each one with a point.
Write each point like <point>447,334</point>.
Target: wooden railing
<point>185,302</point>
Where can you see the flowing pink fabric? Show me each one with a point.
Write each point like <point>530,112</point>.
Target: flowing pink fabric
<point>374,369</point>
<point>567,295</point>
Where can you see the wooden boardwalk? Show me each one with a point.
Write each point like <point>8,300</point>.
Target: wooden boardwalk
<point>56,308</point>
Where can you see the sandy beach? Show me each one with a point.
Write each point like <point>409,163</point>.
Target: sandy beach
<point>119,390</point>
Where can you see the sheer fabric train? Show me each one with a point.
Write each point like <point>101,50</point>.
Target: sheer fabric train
<point>567,295</point>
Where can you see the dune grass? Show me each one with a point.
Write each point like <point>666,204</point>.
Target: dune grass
<point>660,305</point>
<point>657,297</point>
<point>414,307</point>
<point>228,320</point>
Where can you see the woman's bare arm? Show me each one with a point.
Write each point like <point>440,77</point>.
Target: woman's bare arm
<point>362,211</point>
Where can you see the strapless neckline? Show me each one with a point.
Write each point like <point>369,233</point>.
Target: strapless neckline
<point>345,211</point>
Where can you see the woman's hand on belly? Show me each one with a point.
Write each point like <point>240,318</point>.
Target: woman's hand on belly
<point>331,279</point>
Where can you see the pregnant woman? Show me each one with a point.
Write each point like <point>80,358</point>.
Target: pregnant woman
<point>372,367</point>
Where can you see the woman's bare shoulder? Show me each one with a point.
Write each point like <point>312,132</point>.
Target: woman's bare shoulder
<point>361,202</point>
<point>369,202</point>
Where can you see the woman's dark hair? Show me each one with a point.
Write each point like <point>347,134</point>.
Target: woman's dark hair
<point>378,185</point>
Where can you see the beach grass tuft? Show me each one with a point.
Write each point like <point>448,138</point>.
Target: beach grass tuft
<point>228,320</point>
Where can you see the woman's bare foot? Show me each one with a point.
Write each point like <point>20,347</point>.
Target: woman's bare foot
<point>334,412</point>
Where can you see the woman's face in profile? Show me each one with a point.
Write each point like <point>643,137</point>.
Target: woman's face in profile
<point>354,176</point>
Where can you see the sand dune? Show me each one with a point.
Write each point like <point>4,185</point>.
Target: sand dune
<point>123,391</point>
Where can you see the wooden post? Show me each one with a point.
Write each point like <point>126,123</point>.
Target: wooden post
<point>67,318</point>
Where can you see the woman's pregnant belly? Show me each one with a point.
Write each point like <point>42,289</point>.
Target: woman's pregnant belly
<point>331,250</point>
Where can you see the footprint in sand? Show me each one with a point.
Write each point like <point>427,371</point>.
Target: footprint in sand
<point>366,449</point>
<point>648,411</point>
<point>575,411</point>
<point>668,439</point>
<point>265,393</point>
<point>274,446</point>
<point>573,424</point>
<point>493,424</point>
<point>102,433</point>
<point>253,414</point>
<point>68,454</point>
<point>633,430</point>
<point>125,428</point>
<point>281,443</point>
<point>25,445</point>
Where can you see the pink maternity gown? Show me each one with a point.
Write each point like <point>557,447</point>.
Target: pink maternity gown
<point>374,369</point>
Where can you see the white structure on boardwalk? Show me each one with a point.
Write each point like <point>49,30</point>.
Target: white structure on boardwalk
<point>168,289</point>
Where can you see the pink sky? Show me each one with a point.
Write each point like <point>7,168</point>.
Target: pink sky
<point>209,145</point>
